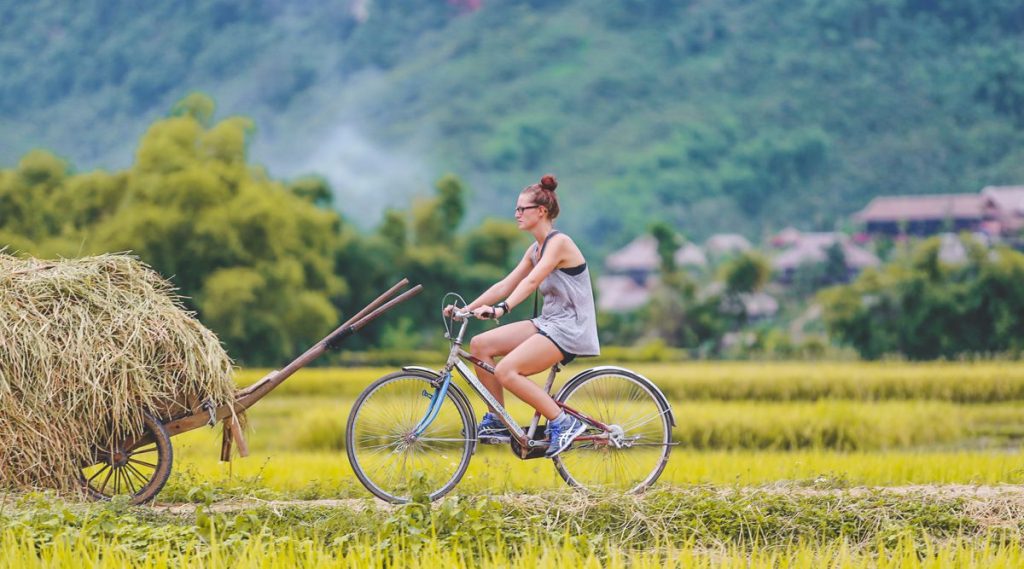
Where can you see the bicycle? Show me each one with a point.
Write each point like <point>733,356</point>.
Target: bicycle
<point>415,431</point>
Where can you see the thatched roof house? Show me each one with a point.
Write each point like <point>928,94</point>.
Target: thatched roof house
<point>1004,209</point>
<point>811,248</point>
<point>726,243</point>
<point>631,273</point>
<point>620,293</point>
<point>640,254</point>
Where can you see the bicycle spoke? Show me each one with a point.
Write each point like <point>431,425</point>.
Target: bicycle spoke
<point>617,399</point>
<point>644,421</point>
<point>381,455</point>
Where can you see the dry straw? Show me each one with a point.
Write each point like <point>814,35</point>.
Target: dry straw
<point>86,346</point>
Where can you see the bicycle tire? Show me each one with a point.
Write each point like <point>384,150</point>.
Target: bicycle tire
<point>382,420</point>
<point>624,399</point>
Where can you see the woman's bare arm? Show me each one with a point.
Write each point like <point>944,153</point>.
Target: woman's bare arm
<point>554,255</point>
<point>505,286</point>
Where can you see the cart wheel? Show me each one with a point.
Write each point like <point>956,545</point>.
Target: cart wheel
<point>137,467</point>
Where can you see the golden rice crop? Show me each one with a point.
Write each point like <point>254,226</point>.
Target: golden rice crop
<point>310,423</point>
<point>959,382</point>
<point>87,346</point>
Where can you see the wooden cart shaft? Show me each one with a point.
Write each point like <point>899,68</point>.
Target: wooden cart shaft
<point>248,397</point>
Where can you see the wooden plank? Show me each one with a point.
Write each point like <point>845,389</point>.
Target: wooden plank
<point>239,437</point>
<point>225,443</point>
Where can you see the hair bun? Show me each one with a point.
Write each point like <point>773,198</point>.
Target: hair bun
<point>548,182</point>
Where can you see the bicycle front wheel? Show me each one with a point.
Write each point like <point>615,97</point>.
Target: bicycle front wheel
<point>631,454</point>
<point>388,458</point>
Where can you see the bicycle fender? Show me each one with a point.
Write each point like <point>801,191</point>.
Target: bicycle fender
<point>454,390</point>
<point>616,369</point>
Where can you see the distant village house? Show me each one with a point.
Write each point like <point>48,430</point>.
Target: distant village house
<point>996,211</point>
<point>632,273</point>
<point>800,249</point>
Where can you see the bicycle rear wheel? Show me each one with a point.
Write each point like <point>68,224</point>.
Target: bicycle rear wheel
<point>389,460</point>
<point>630,457</point>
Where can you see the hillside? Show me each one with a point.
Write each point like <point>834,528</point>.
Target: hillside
<point>723,115</point>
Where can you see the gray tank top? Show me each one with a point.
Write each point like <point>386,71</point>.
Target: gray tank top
<point>568,316</point>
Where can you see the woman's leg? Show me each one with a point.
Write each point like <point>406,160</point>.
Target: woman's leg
<point>498,342</point>
<point>534,355</point>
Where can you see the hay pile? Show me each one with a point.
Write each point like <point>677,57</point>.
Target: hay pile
<point>86,346</point>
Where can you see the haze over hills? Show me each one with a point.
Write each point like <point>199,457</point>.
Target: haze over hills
<point>712,115</point>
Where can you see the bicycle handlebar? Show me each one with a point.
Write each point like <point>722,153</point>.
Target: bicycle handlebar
<point>463,314</point>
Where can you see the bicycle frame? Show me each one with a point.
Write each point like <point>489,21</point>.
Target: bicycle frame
<point>457,358</point>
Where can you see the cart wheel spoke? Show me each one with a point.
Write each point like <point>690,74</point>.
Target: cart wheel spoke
<point>138,475</point>
<point>103,469</point>
<point>103,486</point>
<point>141,472</point>
<point>127,475</point>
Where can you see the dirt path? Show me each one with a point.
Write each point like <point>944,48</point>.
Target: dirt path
<point>1007,497</point>
<point>228,506</point>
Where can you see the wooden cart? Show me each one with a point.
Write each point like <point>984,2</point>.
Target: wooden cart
<point>138,467</point>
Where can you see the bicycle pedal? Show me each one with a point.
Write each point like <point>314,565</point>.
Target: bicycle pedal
<point>494,439</point>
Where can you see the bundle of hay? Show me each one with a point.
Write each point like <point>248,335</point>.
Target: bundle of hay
<point>86,346</point>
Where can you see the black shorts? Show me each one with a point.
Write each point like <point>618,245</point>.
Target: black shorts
<point>567,357</point>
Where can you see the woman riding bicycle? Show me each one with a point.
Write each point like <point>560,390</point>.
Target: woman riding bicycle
<point>565,329</point>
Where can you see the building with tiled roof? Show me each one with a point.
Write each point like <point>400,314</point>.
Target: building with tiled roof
<point>922,214</point>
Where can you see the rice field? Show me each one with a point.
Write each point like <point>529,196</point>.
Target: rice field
<point>779,464</point>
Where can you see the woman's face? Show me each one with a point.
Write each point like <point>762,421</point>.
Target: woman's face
<point>527,212</point>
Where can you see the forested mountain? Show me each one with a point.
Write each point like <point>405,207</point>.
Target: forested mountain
<point>711,115</point>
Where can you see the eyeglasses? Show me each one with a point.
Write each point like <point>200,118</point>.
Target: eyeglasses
<point>521,209</point>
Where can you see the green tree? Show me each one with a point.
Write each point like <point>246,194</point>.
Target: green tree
<point>746,273</point>
<point>314,189</point>
<point>436,220</point>
<point>669,241</point>
<point>254,257</point>
<point>925,309</point>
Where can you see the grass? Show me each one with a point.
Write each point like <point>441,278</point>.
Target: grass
<point>890,406</point>
<point>982,382</point>
<point>309,423</point>
<point>18,552</point>
<point>308,475</point>
<point>698,527</point>
<point>297,433</point>
<point>771,472</point>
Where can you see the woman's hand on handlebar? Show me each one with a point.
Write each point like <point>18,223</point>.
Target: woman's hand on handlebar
<point>456,313</point>
<point>484,312</point>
